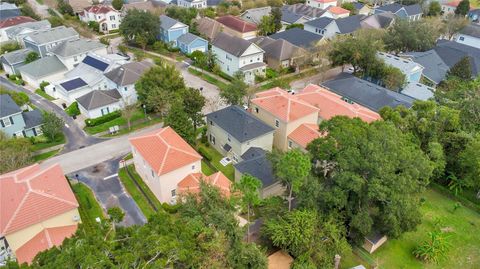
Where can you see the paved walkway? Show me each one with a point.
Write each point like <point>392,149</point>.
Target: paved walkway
<point>40,9</point>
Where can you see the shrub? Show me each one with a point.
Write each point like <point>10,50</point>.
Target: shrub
<point>270,73</point>
<point>73,110</point>
<point>94,26</point>
<point>103,119</point>
<point>172,209</point>
<point>205,154</point>
<point>105,41</point>
<point>9,47</point>
<point>12,77</point>
<point>43,85</point>
<point>224,76</point>
<point>20,98</point>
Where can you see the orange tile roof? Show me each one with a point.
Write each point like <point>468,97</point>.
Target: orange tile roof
<point>331,104</point>
<point>191,183</point>
<point>305,134</point>
<point>47,238</point>
<point>237,24</point>
<point>15,21</point>
<point>283,105</point>
<point>338,10</point>
<point>164,150</point>
<point>31,195</point>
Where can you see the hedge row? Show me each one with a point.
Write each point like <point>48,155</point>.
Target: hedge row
<point>103,119</point>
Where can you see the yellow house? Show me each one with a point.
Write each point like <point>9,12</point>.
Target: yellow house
<point>38,211</point>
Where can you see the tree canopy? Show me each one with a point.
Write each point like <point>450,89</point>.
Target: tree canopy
<point>138,24</point>
<point>16,153</point>
<point>462,69</point>
<point>463,8</point>
<point>52,126</point>
<point>407,35</point>
<point>234,93</point>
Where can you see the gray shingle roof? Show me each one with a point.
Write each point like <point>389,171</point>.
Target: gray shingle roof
<point>349,24</point>
<point>320,22</point>
<point>256,163</point>
<point>43,67</point>
<point>96,99</point>
<point>411,10</point>
<point>395,7</point>
<point>414,9</point>
<point>129,73</point>
<point>37,25</point>
<point>377,21</point>
<point>8,106</point>
<point>17,56</point>
<point>298,37</point>
<point>471,30</point>
<point>418,91</point>
<point>231,44</point>
<point>75,47</point>
<point>187,38</point>
<point>32,118</point>
<point>279,49</point>
<point>239,123</point>
<point>366,93</point>
<point>53,34</point>
<point>256,14</point>
<point>167,22</point>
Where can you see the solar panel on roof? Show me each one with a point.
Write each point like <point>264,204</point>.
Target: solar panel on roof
<point>73,84</point>
<point>95,63</point>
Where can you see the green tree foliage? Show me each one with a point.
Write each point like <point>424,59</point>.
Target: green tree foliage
<point>292,168</point>
<point>178,119</point>
<point>32,56</point>
<point>249,186</point>
<point>434,9</point>
<point>434,248</point>
<point>463,8</point>
<point>452,24</point>
<point>185,15</point>
<point>139,23</point>
<point>234,93</point>
<point>116,214</point>
<point>349,6</point>
<point>9,47</point>
<point>369,173</point>
<point>55,21</point>
<point>266,26</point>
<point>95,26</point>
<point>193,102</point>
<point>16,153</point>
<point>117,4</point>
<point>28,11</point>
<point>65,8</point>
<point>52,126</point>
<point>294,25</point>
<point>393,78</point>
<point>407,35</point>
<point>470,164</point>
<point>276,13</point>
<point>462,69</point>
<point>20,98</point>
<point>159,87</point>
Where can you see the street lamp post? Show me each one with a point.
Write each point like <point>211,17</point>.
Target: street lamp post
<point>145,110</point>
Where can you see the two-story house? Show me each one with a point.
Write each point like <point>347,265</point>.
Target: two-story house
<point>39,211</point>
<point>323,4</point>
<point>411,69</point>
<point>18,123</point>
<point>44,41</point>
<point>72,52</point>
<point>412,12</point>
<point>192,3</point>
<point>233,130</point>
<point>108,19</point>
<point>171,30</point>
<point>234,54</point>
<point>163,159</point>
<point>238,27</point>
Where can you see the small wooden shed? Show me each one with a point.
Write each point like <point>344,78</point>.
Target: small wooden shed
<point>374,241</point>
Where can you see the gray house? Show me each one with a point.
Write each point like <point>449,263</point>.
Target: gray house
<point>17,123</point>
<point>13,60</point>
<point>8,10</point>
<point>44,41</point>
<point>233,130</point>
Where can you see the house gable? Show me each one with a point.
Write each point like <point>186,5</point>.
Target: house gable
<point>252,49</point>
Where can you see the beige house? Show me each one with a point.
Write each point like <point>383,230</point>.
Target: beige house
<point>238,27</point>
<point>280,53</point>
<point>163,159</point>
<point>38,209</point>
<point>233,130</point>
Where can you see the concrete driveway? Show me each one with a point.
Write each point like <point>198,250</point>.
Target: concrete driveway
<point>103,180</point>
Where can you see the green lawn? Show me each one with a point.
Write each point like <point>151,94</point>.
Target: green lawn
<point>207,78</point>
<point>228,170</point>
<point>41,142</point>
<point>89,208</point>
<point>46,155</point>
<point>118,121</point>
<point>464,237</point>
<point>44,94</point>
<point>206,169</point>
<point>136,194</point>
<point>135,126</point>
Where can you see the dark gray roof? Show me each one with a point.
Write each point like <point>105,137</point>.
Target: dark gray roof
<point>349,24</point>
<point>358,5</point>
<point>434,67</point>
<point>320,22</point>
<point>43,67</point>
<point>231,44</point>
<point>377,21</point>
<point>239,123</point>
<point>298,37</point>
<point>167,22</point>
<point>32,118</point>
<point>256,163</point>
<point>411,10</point>
<point>394,8</point>
<point>188,38</point>
<point>366,93</point>
<point>291,13</point>
<point>129,73</point>
<point>414,9</point>
<point>279,49</point>
<point>75,47</point>
<point>471,30</point>
<point>96,99</point>
<point>17,56</point>
<point>8,106</point>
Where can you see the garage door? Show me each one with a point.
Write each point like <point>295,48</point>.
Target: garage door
<point>202,49</point>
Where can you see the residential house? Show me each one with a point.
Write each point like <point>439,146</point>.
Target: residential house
<point>208,28</point>
<point>191,184</point>
<point>378,21</point>
<point>255,162</point>
<point>418,91</point>
<point>18,32</point>
<point>98,103</point>
<point>449,7</point>
<point>255,15</point>
<point>474,15</point>
<point>192,3</point>
<point>362,8</point>
<point>124,77</point>
<point>328,27</point>
<point>80,5</point>
<point>412,12</point>
<point>303,135</point>
<point>47,69</point>
<point>442,57</point>
<point>44,41</point>
<point>163,159</point>
<point>11,61</point>
<point>171,30</point>
<point>280,53</point>
<point>365,93</point>
<point>323,4</point>
<point>10,22</point>
<point>299,37</point>
<point>411,69</point>
<point>469,35</point>
<point>237,27</point>
<point>336,12</point>
<point>108,18</point>
<point>234,54</point>
<point>233,130</point>
<point>152,6</point>
<point>38,209</point>
<point>16,122</point>
<point>72,52</point>
<point>299,14</point>
<point>8,10</point>
<point>188,43</point>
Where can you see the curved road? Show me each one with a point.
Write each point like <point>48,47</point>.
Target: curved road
<point>76,137</point>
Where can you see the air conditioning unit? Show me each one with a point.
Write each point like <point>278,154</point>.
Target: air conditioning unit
<point>76,218</point>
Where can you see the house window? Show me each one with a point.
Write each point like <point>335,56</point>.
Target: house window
<point>112,18</point>
<point>153,173</point>
<point>229,138</point>
<point>114,25</point>
<point>462,38</point>
<point>174,193</point>
<point>290,144</point>
<point>277,123</point>
<point>211,123</point>
<point>212,139</point>
<point>256,110</point>
<point>193,167</point>
<point>125,89</point>
<point>75,58</point>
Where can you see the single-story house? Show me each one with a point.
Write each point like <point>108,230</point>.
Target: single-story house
<point>188,43</point>
<point>299,37</point>
<point>98,103</point>
<point>374,241</point>
<point>47,69</point>
<point>279,53</point>
<point>11,61</point>
<point>238,27</point>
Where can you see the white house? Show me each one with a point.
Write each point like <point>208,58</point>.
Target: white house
<point>6,24</point>
<point>235,54</point>
<point>99,102</point>
<point>72,52</point>
<point>108,18</point>
<point>192,3</point>
<point>469,35</point>
<point>323,4</point>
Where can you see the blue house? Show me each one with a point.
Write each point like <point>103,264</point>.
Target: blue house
<point>171,30</point>
<point>17,123</point>
<point>189,43</point>
<point>411,12</point>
